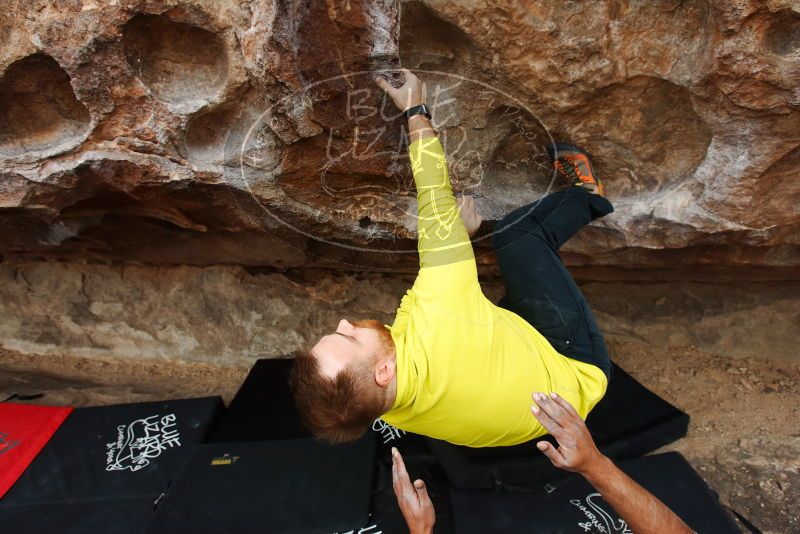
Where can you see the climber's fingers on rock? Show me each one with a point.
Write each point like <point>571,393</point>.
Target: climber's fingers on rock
<point>409,77</point>
<point>384,84</point>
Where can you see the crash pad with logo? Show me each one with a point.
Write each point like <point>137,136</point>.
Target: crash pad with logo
<point>121,451</point>
<point>573,505</point>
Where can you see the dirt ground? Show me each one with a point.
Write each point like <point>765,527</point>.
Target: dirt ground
<point>743,439</point>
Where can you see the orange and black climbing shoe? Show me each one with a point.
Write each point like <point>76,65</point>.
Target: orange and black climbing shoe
<point>574,163</point>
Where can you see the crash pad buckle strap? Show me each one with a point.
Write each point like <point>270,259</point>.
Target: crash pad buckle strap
<point>17,396</point>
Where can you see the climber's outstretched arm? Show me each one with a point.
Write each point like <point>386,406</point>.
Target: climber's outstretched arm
<point>443,238</point>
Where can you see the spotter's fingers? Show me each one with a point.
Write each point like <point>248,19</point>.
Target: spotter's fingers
<point>551,425</point>
<point>400,479</point>
<point>564,404</point>
<point>553,454</point>
<point>551,408</point>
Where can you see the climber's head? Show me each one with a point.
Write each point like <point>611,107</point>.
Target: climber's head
<point>346,381</point>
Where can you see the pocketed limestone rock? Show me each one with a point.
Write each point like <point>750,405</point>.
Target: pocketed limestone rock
<point>198,132</point>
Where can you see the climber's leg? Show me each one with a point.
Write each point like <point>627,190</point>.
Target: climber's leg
<point>538,286</point>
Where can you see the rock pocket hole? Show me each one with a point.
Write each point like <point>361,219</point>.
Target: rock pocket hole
<point>651,134</point>
<point>177,61</point>
<point>38,108</point>
<point>426,40</point>
<point>234,135</point>
<point>783,36</point>
<point>207,135</point>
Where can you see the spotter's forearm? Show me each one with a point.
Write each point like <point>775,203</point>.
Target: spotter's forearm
<point>643,512</point>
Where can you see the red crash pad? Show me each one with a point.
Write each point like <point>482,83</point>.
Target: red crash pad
<point>24,430</point>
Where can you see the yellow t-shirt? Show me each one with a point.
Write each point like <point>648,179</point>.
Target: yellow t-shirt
<point>465,367</point>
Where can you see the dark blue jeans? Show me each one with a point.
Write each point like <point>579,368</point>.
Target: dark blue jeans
<point>538,286</point>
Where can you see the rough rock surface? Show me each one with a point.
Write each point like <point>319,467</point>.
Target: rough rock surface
<point>228,316</point>
<point>199,132</point>
<point>222,315</point>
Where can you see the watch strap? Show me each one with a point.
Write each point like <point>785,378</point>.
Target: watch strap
<point>422,109</point>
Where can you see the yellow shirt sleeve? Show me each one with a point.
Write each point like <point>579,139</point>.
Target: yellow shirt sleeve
<point>447,261</point>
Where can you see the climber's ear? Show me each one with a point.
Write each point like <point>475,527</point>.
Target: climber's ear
<point>384,372</point>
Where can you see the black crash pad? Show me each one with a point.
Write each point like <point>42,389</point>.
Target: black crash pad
<point>286,486</point>
<point>630,421</point>
<point>420,463</point>
<point>117,516</point>
<point>265,397</point>
<point>263,408</point>
<point>573,505</point>
<point>110,452</point>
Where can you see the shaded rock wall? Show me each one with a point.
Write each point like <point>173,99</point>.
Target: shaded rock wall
<point>219,315</point>
<point>228,316</point>
<point>199,132</point>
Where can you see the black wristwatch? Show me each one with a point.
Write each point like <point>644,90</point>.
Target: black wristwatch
<point>422,109</point>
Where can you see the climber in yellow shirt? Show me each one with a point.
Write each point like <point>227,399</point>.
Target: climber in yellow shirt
<point>453,365</point>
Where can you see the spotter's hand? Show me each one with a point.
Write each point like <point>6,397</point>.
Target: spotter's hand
<point>413,499</point>
<point>577,451</point>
